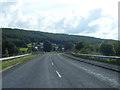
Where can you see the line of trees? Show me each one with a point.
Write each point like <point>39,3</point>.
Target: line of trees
<point>10,49</point>
<point>104,48</point>
<point>47,46</point>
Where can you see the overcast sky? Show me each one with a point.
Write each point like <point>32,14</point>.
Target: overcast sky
<point>96,18</point>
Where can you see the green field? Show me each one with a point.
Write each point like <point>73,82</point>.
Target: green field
<point>24,49</point>
<point>29,45</point>
<point>41,43</point>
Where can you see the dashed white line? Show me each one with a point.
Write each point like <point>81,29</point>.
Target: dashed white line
<point>52,63</point>
<point>58,74</point>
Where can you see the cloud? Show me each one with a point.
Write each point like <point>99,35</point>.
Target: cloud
<point>9,12</point>
<point>105,28</point>
<point>96,18</point>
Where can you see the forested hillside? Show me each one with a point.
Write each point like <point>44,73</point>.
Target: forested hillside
<point>36,36</point>
<point>15,39</point>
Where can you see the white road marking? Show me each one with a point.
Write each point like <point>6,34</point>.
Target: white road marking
<point>58,74</point>
<point>10,67</point>
<point>114,83</point>
<point>52,63</point>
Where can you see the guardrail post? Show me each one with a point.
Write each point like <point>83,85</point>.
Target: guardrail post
<point>99,58</point>
<point>110,59</point>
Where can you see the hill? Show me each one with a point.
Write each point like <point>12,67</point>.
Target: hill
<point>28,36</point>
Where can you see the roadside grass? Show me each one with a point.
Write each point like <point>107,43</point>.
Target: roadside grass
<point>7,63</point>
<point>106,60</point>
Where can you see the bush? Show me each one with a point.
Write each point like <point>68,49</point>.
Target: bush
<point>107,49</point>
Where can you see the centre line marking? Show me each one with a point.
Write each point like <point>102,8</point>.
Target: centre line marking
<point>58,74</point>
<point>52,64</point>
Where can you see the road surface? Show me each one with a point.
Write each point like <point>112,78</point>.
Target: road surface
<point>58,71</point>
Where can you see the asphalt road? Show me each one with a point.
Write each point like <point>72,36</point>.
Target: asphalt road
<point>58,71</point>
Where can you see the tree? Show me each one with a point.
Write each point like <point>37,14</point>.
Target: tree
<point>47,46</point>
<point>107,49</point>
<point>117,48</point>
<point>20,43</point>
<point>88,46</point>
<point>85,51</point>
<point>79,46</point>
<point>68,46</point>
<point>60,46</point>
<point>12,49</point>
<point>6,54</point>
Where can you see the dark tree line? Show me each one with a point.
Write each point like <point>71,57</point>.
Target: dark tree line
<point>9,49</point>
<point>24,36</point>
<point>105,48</point>
<point>47,46</point>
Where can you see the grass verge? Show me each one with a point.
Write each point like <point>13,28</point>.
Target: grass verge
<point>7,63</point>
<point>105,60</point>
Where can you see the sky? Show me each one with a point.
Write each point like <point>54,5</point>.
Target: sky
<point>95,18</point>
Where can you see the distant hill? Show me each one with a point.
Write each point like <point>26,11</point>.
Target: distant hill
<point>29,36</point>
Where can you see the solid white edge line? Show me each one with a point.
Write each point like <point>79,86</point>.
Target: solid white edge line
<point>9,67</point>
<point>58,74</point>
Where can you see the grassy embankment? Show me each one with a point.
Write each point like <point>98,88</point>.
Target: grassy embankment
<point>7,63</point>
<point>106,60</point>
